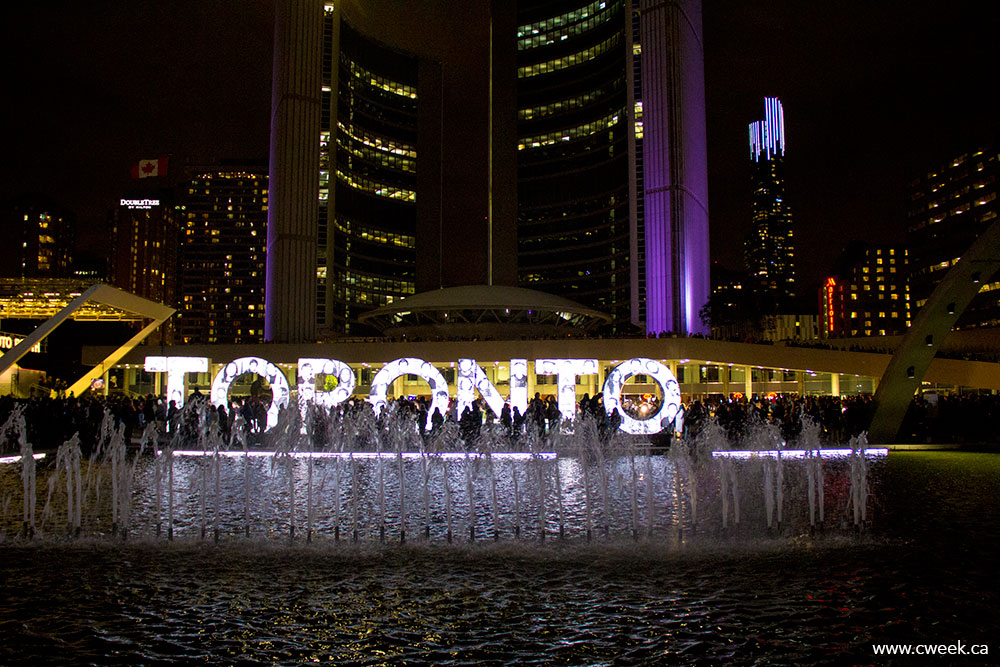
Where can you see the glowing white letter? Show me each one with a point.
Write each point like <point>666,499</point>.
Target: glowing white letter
<point>176,368</point>
<point>261,368</point>
<point>518,385</point>
<point>471,377</point>
<point>410,366</point>
<point>309,369</point>
<point>566,371</point>
<point>663,377</point>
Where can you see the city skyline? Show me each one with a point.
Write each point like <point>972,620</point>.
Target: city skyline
<point>871,98</point>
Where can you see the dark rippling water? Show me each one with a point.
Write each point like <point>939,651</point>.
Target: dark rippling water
<point>925,572</point>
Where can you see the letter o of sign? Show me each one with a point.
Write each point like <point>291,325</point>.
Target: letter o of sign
<point>406,366</point>
<point>663,377</point>
<point>261,368</point>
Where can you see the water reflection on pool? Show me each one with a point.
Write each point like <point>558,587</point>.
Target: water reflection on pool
<point>921,572</point>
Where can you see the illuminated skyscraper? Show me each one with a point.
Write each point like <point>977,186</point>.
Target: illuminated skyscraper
<point>368,177</point>
<point>769,251</point>
<point>396,104</point>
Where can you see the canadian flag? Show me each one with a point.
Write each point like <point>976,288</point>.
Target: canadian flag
<point>150,168</point>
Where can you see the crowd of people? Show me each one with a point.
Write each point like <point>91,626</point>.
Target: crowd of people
<point>968,418</point>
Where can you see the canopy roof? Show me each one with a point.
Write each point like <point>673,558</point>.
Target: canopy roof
<point>483,311</point>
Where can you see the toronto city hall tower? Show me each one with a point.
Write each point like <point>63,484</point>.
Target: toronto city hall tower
<point>555,146</point>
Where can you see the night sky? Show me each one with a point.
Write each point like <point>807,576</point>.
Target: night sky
<point>873,94</point>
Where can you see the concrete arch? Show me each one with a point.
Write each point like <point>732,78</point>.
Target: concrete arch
<point>932,325</point>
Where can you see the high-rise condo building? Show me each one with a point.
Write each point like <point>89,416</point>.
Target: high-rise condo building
<point>949,206</point>
<point>221,253</point>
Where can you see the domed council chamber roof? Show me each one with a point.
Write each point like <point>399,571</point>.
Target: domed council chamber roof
<point>483,311</point>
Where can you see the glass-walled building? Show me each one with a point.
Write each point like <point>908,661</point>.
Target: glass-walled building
<point>612,178</point>
<point>37,239</point>
<point>573,166</point>
<point>368,171</point>
<point>144,238</point>
<point>869,294</point>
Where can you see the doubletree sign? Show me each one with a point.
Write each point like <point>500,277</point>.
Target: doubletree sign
<point>140,203</point>
<point>470,380</point>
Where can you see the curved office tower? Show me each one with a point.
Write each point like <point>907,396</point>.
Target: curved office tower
<point>341,226</point>
<point>368,165</point>
<point>384,84</point>
<point>573,223</point>
<point>612,176</point>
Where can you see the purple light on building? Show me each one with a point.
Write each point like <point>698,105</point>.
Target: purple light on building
<point>675,169</point>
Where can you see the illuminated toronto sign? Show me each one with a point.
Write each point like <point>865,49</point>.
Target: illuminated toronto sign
<point>470,379</point>
<point>8,341</point>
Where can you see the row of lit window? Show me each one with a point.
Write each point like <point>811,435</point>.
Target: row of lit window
<point>563,27</point>
<point>882,314</point>
<point>367,282</point>
<point>545,110</point>
<point>881,288</point>
<point>959,161</point>
<point>229,175</point>
<point>589,237</point>
<point>893,296</point>
<point>369,186</point>
<point>553,22</point>
<point>878,269</point>
<point>382,83</point>
<point>964,207</point>
<point>870,332</point>
<point>371,140</point>
<point>375,156</point>
<point>374,235</point>
<point>935,187</point>
<point>367,298</point>
<point>941,265</point>
<point>984,217</point>
<point>570,60</point>
<point>888,251</point>
<point>387,238</point>
<point>569,134</point>
<point>989,287</point>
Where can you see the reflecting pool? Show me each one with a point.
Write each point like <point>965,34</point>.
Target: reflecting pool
<point>665,585</point>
